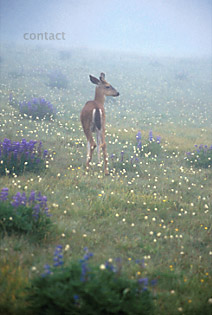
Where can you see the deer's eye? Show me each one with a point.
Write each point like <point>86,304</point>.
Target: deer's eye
<point>107,87</point>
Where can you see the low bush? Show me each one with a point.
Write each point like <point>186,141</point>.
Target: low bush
<point>24,215</point>
<point>150,149</point>
<point>201,157</point>
<point>58,79</point>
<point>37,108</point>
<point>17,157</point>
<point>83,289</point>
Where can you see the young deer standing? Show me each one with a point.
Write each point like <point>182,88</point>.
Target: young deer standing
<point>93,118</point>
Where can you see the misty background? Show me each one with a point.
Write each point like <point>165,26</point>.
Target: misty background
<point>155,27</point>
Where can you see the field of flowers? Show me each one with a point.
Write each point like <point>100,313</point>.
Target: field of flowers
<point>148,223</point>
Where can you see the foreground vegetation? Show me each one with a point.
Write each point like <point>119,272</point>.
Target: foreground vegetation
<point>155,206</point>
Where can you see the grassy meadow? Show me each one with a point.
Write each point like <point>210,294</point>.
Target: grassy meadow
<point>154,206</point>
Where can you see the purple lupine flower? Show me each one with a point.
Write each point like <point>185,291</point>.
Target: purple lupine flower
<point>32,197</point>
<point>45,152</point>
<point>122,156</point>
<point>42,200</point>
<point>58,256</point>
<point>36,211</point>
<point>109,266</point>
<point>150,136</point>
<point>19,200</point>
<point>84,265</point>
<point>87,256</point>
<point>84,270</point>
<point>153,282</point>
<point>158,139</point>
<point>139,145</point>
<point>140,262</point>
<point>10,98</point>
<point>4,194</point>
<point>47,270</point>
<point>144,283</point>
<point>138,136</point>
<point>112,156</point>
<point>37,107</point>
<point>38,203</point>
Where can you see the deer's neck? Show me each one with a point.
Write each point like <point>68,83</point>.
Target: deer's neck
<point>99,96</point>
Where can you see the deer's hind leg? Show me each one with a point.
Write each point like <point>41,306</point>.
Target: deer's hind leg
<point>99,143</point>
<point>90,148</point>
<point>104,150</point>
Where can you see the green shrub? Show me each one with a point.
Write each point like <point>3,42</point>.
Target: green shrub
<point>17,157</point>
<point>201,157</point>
<point>37,107</point>
<point>83,289</point>
<point>24,215</point>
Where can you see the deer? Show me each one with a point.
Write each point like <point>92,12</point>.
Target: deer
<point>92,119</point>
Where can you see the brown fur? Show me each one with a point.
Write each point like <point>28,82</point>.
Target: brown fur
<point>103,89</point>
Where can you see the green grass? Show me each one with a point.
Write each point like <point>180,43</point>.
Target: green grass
<point>159,210</point>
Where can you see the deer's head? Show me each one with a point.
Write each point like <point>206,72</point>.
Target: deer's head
<point>105,87</point>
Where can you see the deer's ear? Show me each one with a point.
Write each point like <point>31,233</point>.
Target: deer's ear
<point>94,80</point>
<point>102,77</point>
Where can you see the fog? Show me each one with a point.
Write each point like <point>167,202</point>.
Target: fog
<point>154,27</point>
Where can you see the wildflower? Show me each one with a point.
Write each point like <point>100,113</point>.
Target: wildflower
<point>47,270</point>
<point>150,136</point>
<point>84,266</point>
<point>67,247</point>
<point>158,139</point>
<point>32,197</point>
<point>153,282</point>
<point>19,199</point>
<point>37,108</point>
<point>138,138</point>
<point>112,156</point>
<point>144,283</point>
<point>4,194</point>
<point>58,257</point>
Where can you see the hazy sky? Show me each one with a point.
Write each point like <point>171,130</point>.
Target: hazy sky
<point>167,27</point>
